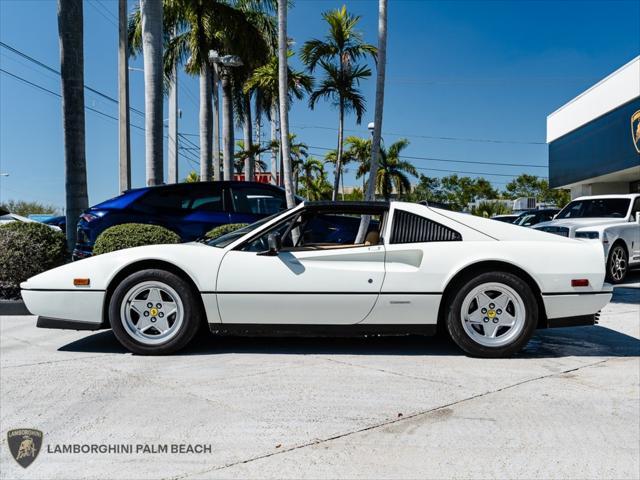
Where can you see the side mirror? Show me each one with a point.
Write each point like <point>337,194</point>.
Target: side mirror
<point>275,243</point>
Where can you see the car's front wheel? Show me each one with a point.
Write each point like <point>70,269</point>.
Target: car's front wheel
<point>617,264</point>
<point>492,315</point>
<point>154,312</point>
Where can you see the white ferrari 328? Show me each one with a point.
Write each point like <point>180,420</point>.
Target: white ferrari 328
<point>410,269</point>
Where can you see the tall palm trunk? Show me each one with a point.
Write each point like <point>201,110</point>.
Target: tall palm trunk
<point>275,149</point>
<point>370,194</point>
<point>336,181</point>
<point>283,90</point>
<point>151,13</point>
<point>206,124</point>
<point>227,127</point>
<point>249,162</point>
<point>258,128</point>
<point>70,33</point>
<point>172,148</point>
<point>216,123</point>
<point>380,78</point>
<point>124,129</point>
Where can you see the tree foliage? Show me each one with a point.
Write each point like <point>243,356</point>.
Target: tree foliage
<point>26,208</point>
<point>129,235</point>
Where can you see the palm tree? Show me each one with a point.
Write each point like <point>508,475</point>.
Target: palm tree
<point>70,32</point>
<point>151,25</point>
<point>228,27</point>
<point>193,177</point>
<point>309,168</point>
<point>359,150</point>
<point>124,127</point>
<point>317,188</point>
<point>243,154</point>
<point>337,54</point>
<point>380,78</point>
<point>393,174</point>
<point>264,81</point>
<point>283,100</point>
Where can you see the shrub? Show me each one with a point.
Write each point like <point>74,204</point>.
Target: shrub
<point>27,249</point>
<point>224,229</point>
<point>130,235</point>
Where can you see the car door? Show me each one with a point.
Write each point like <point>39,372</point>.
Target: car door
<point>316,286</point>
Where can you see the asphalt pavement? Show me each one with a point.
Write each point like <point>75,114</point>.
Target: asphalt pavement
<point>399,407</point>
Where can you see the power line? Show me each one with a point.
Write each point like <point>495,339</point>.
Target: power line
<point>57,72</point>
<point>431,137</point>
<point>56,94</point>
<point>102,12</point>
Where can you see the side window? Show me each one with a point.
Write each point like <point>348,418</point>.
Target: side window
<point>256,200</point>
<point>162,200</point>
<point>410,228</point>
<point>317,230</point>
<point>635,209</point>
<point>183,199</point>
<point>204,198</point>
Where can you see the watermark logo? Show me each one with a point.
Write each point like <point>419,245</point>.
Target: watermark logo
<point>25,444</point>
<point>635,130</point>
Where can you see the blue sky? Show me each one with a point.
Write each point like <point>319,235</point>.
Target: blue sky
<point>463,69</point>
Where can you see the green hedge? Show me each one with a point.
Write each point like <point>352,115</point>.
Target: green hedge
<point>224,229</point>
<point>27,249</point>
<point>130,235</point>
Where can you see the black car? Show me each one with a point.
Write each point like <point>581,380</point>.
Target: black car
<point>188,209</point>
<point>533,217</point>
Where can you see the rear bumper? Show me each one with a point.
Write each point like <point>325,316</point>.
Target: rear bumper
<point>575,305</point>
<point>578,321</point>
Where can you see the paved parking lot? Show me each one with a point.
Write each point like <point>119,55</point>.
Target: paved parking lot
<point>410,407</point>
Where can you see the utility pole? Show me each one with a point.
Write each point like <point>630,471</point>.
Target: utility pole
<point>173,124</point>
<point>124,133</point>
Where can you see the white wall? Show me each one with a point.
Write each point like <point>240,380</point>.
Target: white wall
<point>617,89</point>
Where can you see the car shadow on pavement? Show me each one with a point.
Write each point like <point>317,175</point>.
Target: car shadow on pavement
<point>630,295</point>
<point>593,341</point>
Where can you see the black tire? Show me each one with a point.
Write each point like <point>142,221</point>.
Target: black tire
<point>454,322</point>
<point>617,264</point>
<point>193,317</point>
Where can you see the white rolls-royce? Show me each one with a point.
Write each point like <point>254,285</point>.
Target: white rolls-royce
<point>611,220</point>
<point>335,268</point>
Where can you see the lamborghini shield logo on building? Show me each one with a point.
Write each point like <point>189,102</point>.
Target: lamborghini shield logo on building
<point>25,444</point>
<point>635,130</point>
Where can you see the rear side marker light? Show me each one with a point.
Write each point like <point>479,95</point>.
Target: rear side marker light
<point>580,282</point>
<point>81,282</point>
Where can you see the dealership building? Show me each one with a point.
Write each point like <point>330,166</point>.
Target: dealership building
<point>594,139</point>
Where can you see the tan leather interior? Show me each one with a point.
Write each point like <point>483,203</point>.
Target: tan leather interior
<point>372,238</point>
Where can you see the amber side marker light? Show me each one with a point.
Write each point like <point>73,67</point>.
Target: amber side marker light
<point>580,282</point>
<point>81,282</point>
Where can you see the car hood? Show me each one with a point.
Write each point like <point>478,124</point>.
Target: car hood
<point>198,261</point>
<point>575,223</point>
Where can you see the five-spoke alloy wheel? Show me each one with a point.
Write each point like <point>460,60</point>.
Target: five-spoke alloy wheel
<point>492,315</point>
<point>154,312</point>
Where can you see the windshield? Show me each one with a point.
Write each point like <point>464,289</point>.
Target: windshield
<point>524,218</point>
<point>228,238</point>
<point>596,208</point>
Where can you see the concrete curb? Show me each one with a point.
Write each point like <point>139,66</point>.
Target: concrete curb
<point>13,307</point>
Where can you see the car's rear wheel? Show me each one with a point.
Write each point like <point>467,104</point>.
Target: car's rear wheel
<point>617,264</point>
<point>154,312</point>
<point>492,315</point>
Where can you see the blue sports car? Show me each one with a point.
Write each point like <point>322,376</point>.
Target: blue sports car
<point>188,209</point>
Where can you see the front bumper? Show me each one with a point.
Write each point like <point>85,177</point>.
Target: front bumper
<point>66,305</point>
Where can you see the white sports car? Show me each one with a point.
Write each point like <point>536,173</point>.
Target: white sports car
<point>611,220</point>
<point>308,270</point>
